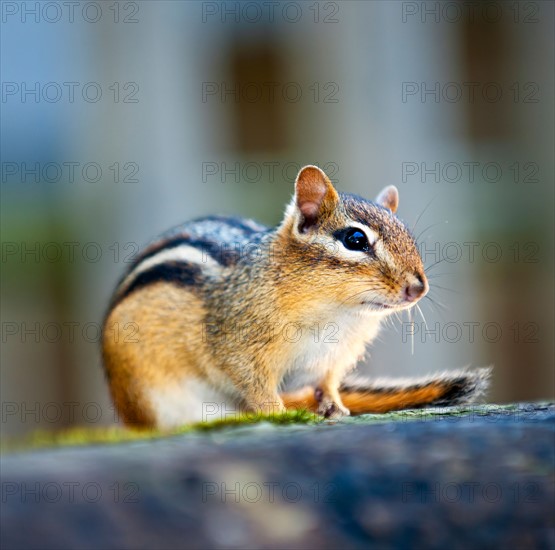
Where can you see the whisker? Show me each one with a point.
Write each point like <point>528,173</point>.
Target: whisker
<point>422,315</point>
<point>429,227</point>
<point>436,302</point>
<point>412,324</point>
<point>355,295</point>
<point>445,288</point>
<point>436,275</point>
<point>433,265</point>
<point>422,213</point>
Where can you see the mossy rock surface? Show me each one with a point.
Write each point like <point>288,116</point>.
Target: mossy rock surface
<point>477,477</point>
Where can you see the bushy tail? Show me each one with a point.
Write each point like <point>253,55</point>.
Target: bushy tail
<point>361,395</point>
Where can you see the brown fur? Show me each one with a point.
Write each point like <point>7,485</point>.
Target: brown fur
<point>152,356</point>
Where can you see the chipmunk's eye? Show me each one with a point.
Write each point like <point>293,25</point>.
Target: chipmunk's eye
<point>355,239</point>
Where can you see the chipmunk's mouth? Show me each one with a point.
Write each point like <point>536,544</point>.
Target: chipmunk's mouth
<point>380,306</point>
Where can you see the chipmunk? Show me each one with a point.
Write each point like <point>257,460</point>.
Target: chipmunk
<point>232,313</point>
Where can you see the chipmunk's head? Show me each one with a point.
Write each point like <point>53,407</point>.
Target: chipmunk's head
<point>363,242</point>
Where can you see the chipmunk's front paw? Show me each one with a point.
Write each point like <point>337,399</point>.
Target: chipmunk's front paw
<point>331,409</point>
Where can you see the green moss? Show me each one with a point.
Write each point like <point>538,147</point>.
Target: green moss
<point>42,439</point>
<point>289,417</point>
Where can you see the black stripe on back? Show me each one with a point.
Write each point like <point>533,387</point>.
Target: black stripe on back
<point>177,273</point>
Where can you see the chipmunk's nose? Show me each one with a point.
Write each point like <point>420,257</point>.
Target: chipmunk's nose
<point>416,289</point>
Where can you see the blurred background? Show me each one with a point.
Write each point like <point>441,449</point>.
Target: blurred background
<point>121,119</point>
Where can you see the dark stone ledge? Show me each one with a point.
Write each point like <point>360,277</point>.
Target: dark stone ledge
<point>438,478</point>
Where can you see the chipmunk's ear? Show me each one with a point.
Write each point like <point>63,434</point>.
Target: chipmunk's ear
<point>389,198</point>
<point>315,196</point>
